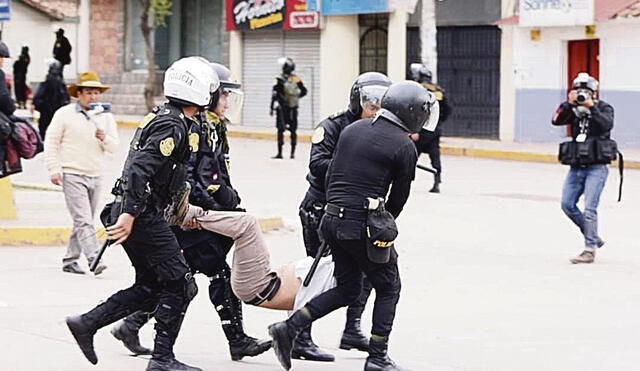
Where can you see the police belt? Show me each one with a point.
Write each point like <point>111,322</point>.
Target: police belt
<point>345,213</point>
<point>269,292</point>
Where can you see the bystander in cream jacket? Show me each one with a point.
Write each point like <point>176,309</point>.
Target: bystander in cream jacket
<point>71,145</point>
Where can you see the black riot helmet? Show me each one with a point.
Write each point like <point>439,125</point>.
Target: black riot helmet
<point>410,106</point>
<point>368,87</point>
<point>4,50</point>
<point>287,65</point>
<point>585,81</point>
<point>421,73</point>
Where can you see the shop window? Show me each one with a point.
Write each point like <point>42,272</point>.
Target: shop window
<point>373,42</point>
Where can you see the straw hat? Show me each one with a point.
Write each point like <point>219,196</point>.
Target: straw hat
<point>86,80</point>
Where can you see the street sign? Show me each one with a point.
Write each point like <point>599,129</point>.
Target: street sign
<point>5,10</point>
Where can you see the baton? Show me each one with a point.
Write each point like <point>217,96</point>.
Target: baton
<point>427,169</point>
<point>94,263</point>
<point>316,261</point>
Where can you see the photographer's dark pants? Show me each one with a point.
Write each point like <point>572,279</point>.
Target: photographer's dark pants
<point>310,217</point>
<point>287,119</point>
<point>432,148</point>
<point>163,282</point>
<point>347,239</point>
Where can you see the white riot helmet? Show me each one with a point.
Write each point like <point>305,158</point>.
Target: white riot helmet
<point>190,81</point>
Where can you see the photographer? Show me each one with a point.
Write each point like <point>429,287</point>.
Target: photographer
<point>589,152</point>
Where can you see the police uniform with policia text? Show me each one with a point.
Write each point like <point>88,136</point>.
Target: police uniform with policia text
<point>154,172</point>
<point>386,159</point>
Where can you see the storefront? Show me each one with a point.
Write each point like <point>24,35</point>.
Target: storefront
<point>271,30</point>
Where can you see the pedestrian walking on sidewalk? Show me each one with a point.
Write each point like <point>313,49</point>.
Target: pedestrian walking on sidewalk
<point>74,150</point>
<point>588,152</point>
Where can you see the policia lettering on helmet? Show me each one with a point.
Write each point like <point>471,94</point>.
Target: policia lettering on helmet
<point>155,169</point>
<point>365,96</point>
<point>285,95</point>
<point>589,153</point>
<point>354,197</point>
<point>426,141</point>
<point>205,251</point>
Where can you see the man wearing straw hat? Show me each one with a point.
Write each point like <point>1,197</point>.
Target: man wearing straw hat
<point>79,135</point>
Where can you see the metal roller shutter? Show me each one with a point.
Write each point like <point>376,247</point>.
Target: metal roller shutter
<point>260,54</point>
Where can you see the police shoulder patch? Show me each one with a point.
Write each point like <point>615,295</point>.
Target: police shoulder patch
<point>194,142</point>
<point>318,135</point>
<point>166,146</point>
<point>147,119</point>
<point>294,78</point>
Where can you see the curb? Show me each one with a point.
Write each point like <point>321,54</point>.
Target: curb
<point>58,236</point>
<point>495,154</point>
<point>35,187</point>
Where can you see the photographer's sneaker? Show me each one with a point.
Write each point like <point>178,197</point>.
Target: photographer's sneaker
<point>586,257</point>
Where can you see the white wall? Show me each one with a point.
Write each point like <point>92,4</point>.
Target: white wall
<point>35,30</point>
<point>340,61</point>
<point>543,64</point>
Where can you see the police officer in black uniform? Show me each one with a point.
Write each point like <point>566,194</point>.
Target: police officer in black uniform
<point>371,157</point>
<point>155,170</point>
<point>285,94</point>
<point>426,141</point>
<point>206,251</point>
<point>7,106</point>
<point>364,101</point>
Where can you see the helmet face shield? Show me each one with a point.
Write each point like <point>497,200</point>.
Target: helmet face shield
<point>372,95</point>
<point>235,100</point>
<point>434,114</point>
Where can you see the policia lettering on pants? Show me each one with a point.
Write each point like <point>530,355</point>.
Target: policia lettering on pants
<point>204,251</point>
<point>366,92</point>
<point>406,108</point>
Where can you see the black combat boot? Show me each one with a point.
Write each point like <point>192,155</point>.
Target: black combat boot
<point>378,359</point>
<point>284,333</point>
<point>304,348</point>
<point>279,154</point>
<point>293,151</point>
<point>240,344</point>
<point>83,333</point>
<point>127,332</point>
<point>352,337</point>
<point>436,184</point>
<point>169,365</point>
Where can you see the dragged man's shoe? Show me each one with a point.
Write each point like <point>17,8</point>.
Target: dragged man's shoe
<point>73,268</point>
<point>129,338</point>
<point>248,347</point>
<point>586,257</point>
<point>170,365</point>
<point>84,337</point>
<point>304,348</point>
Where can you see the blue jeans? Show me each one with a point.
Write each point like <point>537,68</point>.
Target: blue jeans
<point>589,181</point>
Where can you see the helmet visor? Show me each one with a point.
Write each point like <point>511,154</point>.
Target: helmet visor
<point>235,99</point>
<point>372,95</point>
<point>431,123</point>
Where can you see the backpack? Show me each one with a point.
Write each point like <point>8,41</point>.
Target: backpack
<point>291,91</point>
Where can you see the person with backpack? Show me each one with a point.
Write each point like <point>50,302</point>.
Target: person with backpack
<point>51,95</point>
<point>74,150</point>
<point>286,93</point>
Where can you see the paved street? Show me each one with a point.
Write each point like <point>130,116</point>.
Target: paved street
<point>487,285</point>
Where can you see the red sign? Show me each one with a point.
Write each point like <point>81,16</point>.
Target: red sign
<point>245,15</point>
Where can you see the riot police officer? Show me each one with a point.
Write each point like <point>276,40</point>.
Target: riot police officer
<point>154,171</point>
<point>364,102</point>
<point>206,251</point>
<point>429,142</point>
<point>285,95</point>
<point>386,159</point>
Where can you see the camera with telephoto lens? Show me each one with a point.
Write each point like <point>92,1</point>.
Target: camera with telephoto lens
<point>583,95</point>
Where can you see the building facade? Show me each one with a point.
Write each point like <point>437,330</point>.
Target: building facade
<point>543,60</point>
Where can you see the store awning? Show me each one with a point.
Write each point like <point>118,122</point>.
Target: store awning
<point>604,10</point>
